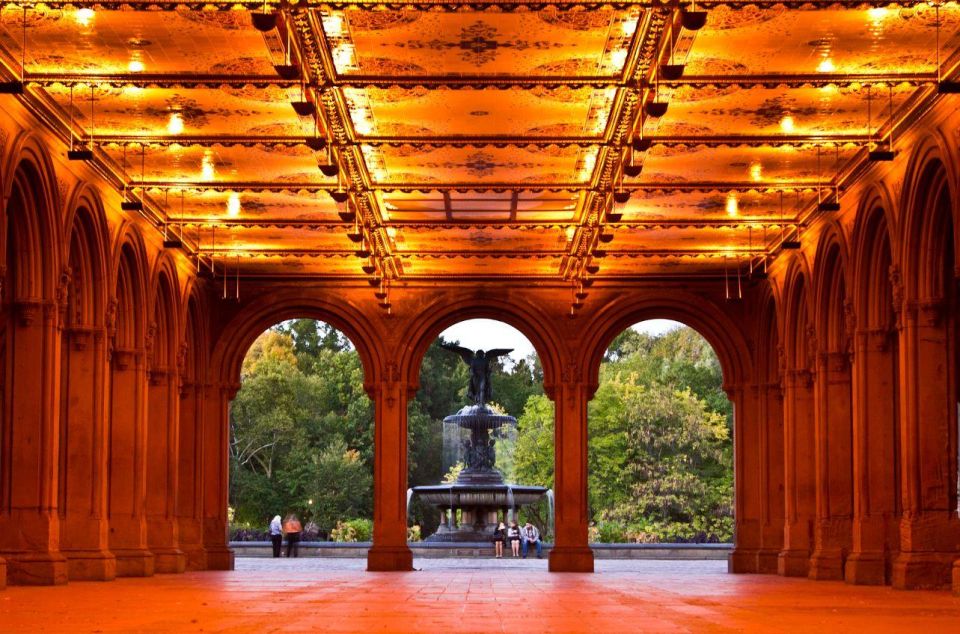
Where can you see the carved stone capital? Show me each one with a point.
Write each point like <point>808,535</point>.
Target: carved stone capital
<point>126,358</point>
<point>875,339</point>
<point>930,311</point>
<point>834,362</point>
<point>28,312</point>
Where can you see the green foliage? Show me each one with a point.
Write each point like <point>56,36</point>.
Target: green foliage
<point>660,452</point>
<point>301,429</point>
<point>355,530</point>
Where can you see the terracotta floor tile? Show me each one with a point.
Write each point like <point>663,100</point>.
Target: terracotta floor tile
<point>312,595</point>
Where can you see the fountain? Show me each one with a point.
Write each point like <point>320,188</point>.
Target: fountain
<point>479,492</point>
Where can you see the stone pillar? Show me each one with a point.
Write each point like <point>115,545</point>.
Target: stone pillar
<point>571,552</point>
<point>127,487</point>
<point>834,488</point>
<point>748,456</point>
<point>162,454</point>
<point>215,465</point>
<point>798,478</point>
<point>771,474</point>
<point>389,550</point>
<point>929,528</point>
<point>190,477</point>
<point>29,519</point>
<point>84,530</point>
<point>875,529</point>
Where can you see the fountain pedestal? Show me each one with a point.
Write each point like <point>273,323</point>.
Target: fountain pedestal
<point>479,492</point>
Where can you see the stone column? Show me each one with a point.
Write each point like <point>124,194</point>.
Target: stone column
<point>771,475</point>
<point>389,550</point>
<point>834,488</point>
<point>215,465</point>
<point>748,456</point>
<point>929,529</point>
<point>29,521</point>
<point>190,477</point>
<point>798,478</point>
<point>162,454</point>
<point>127,487</point>
<point>875,529</point>
<point>571,552</point>
<point>84,530</point>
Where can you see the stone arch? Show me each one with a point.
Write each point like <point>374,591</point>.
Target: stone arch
<point>235,339</point>
<point>82,409</point>
<point>796,317</point>
<point>454,308</point>
<point>715,325</point>
<point>929,216</point>
<point>86,253</point>
<point>129,281</point>
<point>831,303</point>
<point>165,310</point>
<point>31,223</point>
<point>871,267</point>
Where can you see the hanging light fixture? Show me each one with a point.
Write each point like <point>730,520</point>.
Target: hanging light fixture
<point>671,71</point>
<point>79,152</point>
<point>137,204</point>
<point>287,70</point>
<point>691,19</point>
<point>173,240</point>
<point>264,21</point>
<point>879,154</point>
<point>787,245</point>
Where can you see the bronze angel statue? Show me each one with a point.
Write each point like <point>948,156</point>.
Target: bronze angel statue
<point>479,390</point>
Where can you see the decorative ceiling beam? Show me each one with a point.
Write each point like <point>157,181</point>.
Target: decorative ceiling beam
<point>160,80</point>
<point>453,6</point>
<point>480,82</point>
<point>798,80</point>
<point>706,140</point>
<point>491,187</point>
<point>772,222</point>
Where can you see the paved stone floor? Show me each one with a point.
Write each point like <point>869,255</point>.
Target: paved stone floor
<point>472,595</point>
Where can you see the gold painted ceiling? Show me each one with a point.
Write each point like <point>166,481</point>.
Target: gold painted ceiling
<point>480,140</point>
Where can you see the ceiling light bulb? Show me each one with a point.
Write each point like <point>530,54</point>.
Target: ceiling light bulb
<point>207,171</point>
<point>333,25</point>
<point>233,205</point>
<point>826,66</point>
<point>175,125</point>
<point>787,124</point>
<point>136,66</point>
<point>618,58</point>
<point>84,16</point>
<point>756,173</point>
<point>733,207</point>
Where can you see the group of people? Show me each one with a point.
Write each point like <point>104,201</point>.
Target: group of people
<point>289,528</point>
<point>519,538</point>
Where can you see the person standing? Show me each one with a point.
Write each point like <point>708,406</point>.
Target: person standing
<point>531,535</point>
<point>292,528</point>
<point>276,535</point>
<point>513,535</point>
<point>499,536</point>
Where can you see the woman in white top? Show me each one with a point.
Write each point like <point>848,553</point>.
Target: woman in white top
<point>276,535</point>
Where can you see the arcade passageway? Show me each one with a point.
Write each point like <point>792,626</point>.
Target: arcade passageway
<point>783,178</point>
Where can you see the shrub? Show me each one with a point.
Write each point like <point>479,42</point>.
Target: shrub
<point>356,530</point>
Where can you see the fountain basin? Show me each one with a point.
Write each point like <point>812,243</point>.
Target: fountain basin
<point>496,496</point>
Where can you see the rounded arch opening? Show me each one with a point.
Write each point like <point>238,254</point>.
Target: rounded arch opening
<point>660,439</point>
<point>301,438</point>
<point>480,449</point>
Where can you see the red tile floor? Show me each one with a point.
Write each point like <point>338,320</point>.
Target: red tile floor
<point>311,595</point>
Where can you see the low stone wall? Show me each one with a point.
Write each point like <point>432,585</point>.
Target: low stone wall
<point>436,551</point>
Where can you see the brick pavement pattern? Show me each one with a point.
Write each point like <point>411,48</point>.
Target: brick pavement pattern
<point>471,595</point>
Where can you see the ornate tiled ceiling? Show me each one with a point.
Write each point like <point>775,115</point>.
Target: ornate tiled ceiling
<point>480,140</point>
